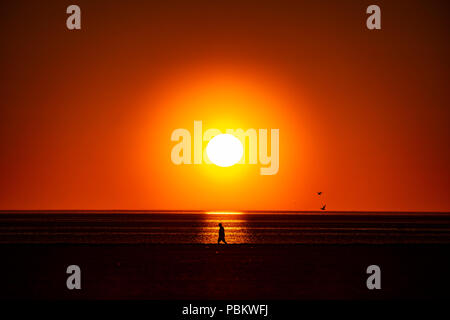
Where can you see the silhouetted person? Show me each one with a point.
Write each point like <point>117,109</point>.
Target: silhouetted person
<point>221,234</point>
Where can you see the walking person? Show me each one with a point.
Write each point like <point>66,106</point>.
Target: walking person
<point>221,234</point>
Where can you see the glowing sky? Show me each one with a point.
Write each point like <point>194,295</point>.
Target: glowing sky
<point>86,116</point>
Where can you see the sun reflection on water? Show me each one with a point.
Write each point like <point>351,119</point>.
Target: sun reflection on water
<point>224,212</point>
<point>235,224</point>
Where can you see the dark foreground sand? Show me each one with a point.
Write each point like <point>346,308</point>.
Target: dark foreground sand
<point>225,272</point>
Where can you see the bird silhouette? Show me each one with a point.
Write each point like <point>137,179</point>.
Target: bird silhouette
<point>319,193</point>
<point>324,206</point>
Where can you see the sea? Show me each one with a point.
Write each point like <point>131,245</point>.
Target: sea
<point>201,227</point>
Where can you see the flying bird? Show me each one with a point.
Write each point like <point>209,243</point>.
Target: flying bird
<point>324,206</point>
<point>319,193</point>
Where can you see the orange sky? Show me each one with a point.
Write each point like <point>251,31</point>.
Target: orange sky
<point>86,116</point>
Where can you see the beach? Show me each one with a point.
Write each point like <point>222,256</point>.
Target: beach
<point>306,272</point>
<point>166,255</point>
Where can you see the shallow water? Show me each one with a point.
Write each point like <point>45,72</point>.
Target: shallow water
<point>241,228</point>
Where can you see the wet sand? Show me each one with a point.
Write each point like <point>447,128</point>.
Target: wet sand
<point>38,271</point>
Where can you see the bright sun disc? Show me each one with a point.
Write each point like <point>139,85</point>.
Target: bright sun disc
<point>224,150</point>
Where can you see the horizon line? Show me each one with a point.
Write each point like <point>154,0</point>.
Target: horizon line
<point>195,211</point>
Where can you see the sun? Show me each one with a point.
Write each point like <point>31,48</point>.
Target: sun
<point>224,150</point>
